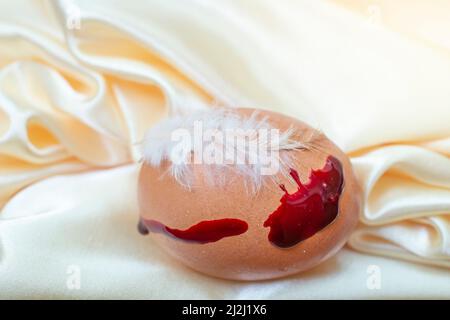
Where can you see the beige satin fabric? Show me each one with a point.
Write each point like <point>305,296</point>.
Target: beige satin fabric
<point>81,81</point>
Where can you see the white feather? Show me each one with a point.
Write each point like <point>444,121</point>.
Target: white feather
<point>159,146</point>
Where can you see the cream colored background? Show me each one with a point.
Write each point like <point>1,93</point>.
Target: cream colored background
<point>75,103</point>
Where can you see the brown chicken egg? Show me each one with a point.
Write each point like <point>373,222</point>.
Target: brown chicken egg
<point>232,220</point>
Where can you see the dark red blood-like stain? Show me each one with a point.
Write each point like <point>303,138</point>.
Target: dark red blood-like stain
<point>202,232</point>
<point>311,208</point>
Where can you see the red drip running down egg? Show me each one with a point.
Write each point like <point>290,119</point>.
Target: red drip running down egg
<point>235,220</point>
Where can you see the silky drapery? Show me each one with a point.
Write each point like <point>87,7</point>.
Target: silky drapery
<point>81,81</point>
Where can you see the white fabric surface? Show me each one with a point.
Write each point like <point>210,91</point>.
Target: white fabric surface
<point>75,103</point>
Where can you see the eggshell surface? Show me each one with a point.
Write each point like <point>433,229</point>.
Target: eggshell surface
<point>246,254</point>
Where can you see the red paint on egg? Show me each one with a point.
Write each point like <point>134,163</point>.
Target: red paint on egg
<point>308,210</point>
<point>202,232</point>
